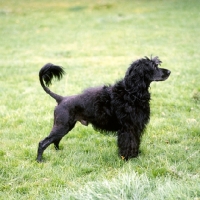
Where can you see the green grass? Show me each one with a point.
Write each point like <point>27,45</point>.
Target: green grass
<point>96,41</point>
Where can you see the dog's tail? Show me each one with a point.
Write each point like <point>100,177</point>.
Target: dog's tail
<point>46,74</point>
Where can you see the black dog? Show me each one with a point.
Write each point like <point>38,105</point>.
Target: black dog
<point>122,107</point>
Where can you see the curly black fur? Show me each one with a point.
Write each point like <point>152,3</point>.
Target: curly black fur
<point>50,71</point>
<point>122,107</point>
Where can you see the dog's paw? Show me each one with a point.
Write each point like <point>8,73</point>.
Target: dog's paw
<point>122,157</point>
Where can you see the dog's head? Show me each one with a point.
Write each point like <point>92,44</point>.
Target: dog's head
<point>144,71</point>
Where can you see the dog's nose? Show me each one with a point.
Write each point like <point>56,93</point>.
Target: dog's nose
<point>168,72</point>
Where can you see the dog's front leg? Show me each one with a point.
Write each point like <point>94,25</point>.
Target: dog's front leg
<point>128,144</point>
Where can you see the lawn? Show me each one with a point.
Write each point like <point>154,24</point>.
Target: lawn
<point>95,41</point>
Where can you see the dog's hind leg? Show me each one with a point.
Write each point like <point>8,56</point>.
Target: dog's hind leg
<point>57,140</point>
<point>57,133</point>
<point>56,144</point>
<point>128,144</point>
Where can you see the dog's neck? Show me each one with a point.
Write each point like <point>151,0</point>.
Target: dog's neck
<point>143,99</point>
<point>139,93</point>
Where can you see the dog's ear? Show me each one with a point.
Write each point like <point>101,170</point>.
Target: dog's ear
<point>130,77</point>
<point>134,76</point>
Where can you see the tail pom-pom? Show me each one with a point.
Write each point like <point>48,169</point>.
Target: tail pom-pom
<point>50,71</point>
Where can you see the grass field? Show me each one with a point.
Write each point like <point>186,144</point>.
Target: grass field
<point>95,41</point>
